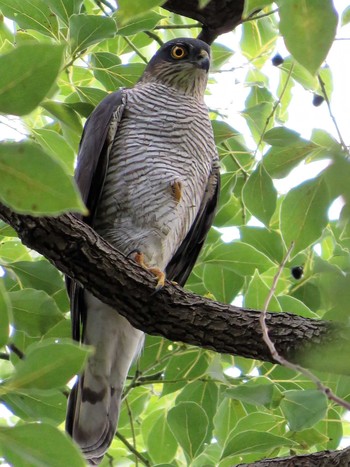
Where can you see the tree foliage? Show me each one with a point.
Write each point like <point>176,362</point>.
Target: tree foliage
<point>183,405</point>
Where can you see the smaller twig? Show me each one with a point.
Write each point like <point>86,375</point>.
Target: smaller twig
<point>241,168</point>
<point>4,356</point>
<point>132,449</point>
<point>110,459</point>
<point>325,95</point>
<point>13,128</point>
<point>281,360</point>
<point>253,18</point>
<point>230,70</point>
<point>275,105</point>
<point>135,49</point>
<point>101,7</point>
<point>154,36</point>
<point>245,176</point>
<point>106,3</point>
<point>179,26</point>
<point>132,429</point>
<point>16,351</point>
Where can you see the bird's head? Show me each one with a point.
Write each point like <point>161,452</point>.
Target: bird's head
<point>180,63</point>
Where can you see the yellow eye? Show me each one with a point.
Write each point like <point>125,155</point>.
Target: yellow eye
<point>178,52</point>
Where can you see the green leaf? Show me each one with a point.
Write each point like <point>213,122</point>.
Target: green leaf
<point>40,275</point>
<point>112,75</point>
<point>260,195</point>
<point>337,176</point>
<point>226,417</point>
<point>34,405</point>
<point>253,6</point>
<point>257,116</point>
<point>255,441</point>
<point>86,30</point>
<point>48,364</point>
<point>299,73</point>
<point>308,29</point>
<point>64,114</point>
<point>160,442</point>
<point>222,131</point>
<point>12,250</point>
<point>131,9</point>
<point>210,456</point>
<point>91,95</point>
<point>39,445</point>
<point>258,95</point>
<point>325,140</point>
<point>332,426</point>
<point>309,437</point>
<point>34,311</point>
<point>146,22</point>
<point>293,305</point>
<point>28,73</point>
<point>304,214</point>
<point>309,294</point>
<point>188,422</point>
<point>256,294</point>
<point>222,283</point>
<point>230,213</point>
<point>261,421</point>
<point>345,17</point>
<point>188,365</point>
<point>303,409</point>
<point>259,392</point>
<point>258,39</point>
<point>220,55</point>
<point>136,402</point>
<point>33,182</point>
<point>282,136</point>
<point>65,8</point>
<point>239,257</point>
<point>280,160</point>
<point>31,14</point>
<point>5,313</point>
<point>6,230</point>
<point>268,242</point>
<point>206,395</point>
<point>53,143</point>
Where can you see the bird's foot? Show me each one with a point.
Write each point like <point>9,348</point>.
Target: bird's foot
<point>159,274</point>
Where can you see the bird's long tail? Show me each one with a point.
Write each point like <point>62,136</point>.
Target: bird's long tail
<point>94,403</point>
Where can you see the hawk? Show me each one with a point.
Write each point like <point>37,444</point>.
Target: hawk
<point>148,172</point>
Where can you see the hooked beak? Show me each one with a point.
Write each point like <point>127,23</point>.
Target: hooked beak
<point>203,60</point>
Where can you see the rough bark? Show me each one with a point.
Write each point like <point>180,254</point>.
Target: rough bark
<point>217,17</point>
<point>81,253</point>
<point>318,459</point>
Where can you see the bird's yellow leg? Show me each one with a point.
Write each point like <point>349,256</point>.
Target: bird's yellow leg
<point>160,275</point>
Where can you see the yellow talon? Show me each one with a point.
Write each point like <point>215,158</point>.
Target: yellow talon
<point>160,275</point>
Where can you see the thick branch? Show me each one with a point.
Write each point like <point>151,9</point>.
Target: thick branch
<point>317,459</point>
<point>217,17</point>
<point>79,252</point>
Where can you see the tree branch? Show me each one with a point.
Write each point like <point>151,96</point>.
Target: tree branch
<point>317,459</point>
<point>78,251</point>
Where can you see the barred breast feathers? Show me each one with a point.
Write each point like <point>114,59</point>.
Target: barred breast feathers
<point>163,138</point>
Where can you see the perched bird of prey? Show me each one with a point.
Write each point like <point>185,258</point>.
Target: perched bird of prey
<point>148,172</point>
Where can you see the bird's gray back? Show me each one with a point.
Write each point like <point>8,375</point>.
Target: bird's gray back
<point>164,141</point>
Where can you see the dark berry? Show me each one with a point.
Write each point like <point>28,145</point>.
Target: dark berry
<point>317,100</point>
<point>277,60</point>
<point>297,272</point>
